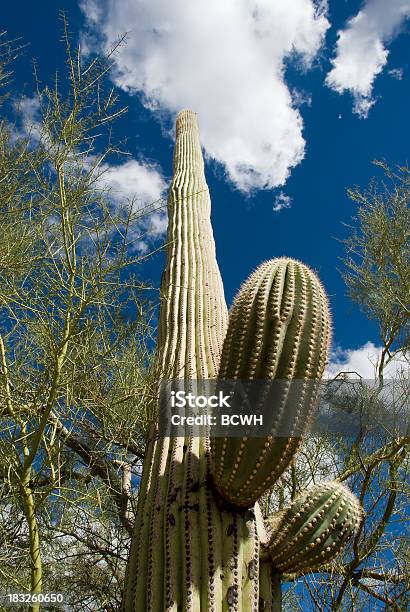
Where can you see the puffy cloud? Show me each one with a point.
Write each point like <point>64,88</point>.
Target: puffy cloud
<point>361,52</point>
<point>225,60</point>
<point>363,361</point>
<point>142,184</point>
<point>300,97</point>
<point>133,180</point>
<point>146,233</point>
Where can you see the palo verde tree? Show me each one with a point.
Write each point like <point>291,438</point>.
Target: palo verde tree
<point>377,262</point>
<point>74,330</point>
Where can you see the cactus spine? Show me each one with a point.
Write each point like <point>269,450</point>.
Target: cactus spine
<point>191,551</point>
<point>279,328</point>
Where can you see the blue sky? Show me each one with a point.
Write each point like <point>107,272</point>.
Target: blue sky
<point>294,102</point>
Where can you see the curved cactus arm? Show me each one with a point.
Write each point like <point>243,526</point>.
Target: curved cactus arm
<point>314,529</point>
<point>279,329</point>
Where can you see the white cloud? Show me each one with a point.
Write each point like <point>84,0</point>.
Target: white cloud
<point>362,360</point>
<point>300,97</point>
<point>140,184</point>
<point>133,180</point>
<point>361,52</point>
<point>143,185</point>
<point>225,60</point>
<point>144,235</point>
<point>282,201</point>
<point>396,73</point>
<point>158,224</point>
<point>27,110</point>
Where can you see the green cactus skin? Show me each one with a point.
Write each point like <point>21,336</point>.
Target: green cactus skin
<point>279,328</point>
<point>270,589</point>
<point>314,528</point>
<point>186,553</point>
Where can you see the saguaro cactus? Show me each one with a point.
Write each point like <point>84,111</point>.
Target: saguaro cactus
<point>191,550</point>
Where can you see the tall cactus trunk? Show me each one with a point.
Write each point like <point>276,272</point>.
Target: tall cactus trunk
<point>187,553</point>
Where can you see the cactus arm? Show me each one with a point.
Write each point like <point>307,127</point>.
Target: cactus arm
<point>306,535</point>
<point>314,528</point>
<point>279,328</point>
